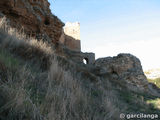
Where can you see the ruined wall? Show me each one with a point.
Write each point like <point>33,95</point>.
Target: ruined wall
<point>34,16</point>
<point>36,19</point>
<point>89,57</point>
<point>73,30</point>
<point>71,36</point>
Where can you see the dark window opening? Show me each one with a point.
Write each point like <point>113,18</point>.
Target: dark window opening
<point>114,72</point>
<point>85,61</point>
<point>46,22</point>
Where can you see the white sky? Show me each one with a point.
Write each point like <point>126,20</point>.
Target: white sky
<point>138,35</point>
<point>147,52</point>
<point>110,27</point>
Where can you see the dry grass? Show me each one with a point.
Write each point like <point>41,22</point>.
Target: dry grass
<point>62,91</point>
<point>27,48</point>
<point>65,97</point>
<point>69,99</point>
<point>60,96</point>
<point>16,97</point>
<point>17,38</point>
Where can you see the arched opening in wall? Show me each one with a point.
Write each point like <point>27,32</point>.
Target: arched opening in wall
<point>85,61</point>
<point>46,22</point>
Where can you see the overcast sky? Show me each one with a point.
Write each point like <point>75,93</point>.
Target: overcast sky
<point>109,27</point>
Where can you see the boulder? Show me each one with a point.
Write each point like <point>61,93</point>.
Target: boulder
<point>127,68</point>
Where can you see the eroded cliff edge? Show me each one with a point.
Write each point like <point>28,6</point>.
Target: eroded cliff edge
<point>42,81</point>
<point>34,16</point>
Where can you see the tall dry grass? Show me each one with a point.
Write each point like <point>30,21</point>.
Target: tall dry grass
<point>27,48</point>
<point>53,95</point>
<point>62,98</point>
<point>63,91</point>
<point>20,38</point>
<point>16,99</point>
<point>67,98</point>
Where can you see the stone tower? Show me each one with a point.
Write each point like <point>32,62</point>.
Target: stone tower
<point>73,30</point>
<point>71,36</point>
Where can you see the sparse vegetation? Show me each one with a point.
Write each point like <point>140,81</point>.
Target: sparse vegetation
<point>155,103</point>
<point>155,81</point>
<point>31,95</point>
<point>58,92</point>
<point>8,59</point>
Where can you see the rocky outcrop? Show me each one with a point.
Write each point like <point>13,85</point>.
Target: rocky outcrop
<point>127,68</point>
<point>34,16</point>
<point>35,19</point>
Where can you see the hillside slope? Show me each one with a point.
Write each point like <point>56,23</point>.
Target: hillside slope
<point>41,79</point>
<point>37,84</point>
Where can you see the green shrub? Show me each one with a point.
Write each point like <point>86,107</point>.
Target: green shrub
<point>155,81</point>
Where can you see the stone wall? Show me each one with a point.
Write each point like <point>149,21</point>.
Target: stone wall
<point>72,29</point>
<point>89,57</point>
<point>71,36</point>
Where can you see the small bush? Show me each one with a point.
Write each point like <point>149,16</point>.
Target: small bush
<point>155,81</point>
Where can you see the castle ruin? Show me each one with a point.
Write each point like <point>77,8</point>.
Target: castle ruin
<point>71,39</point>
<point>71,36</point>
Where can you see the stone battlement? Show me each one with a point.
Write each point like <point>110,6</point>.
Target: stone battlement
<point>73,30</point>
<point>71,36</point>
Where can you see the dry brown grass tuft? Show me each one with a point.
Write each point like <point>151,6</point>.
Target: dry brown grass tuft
<point>62,98</point>
<point>16,97</point>
<point>58,97</point>
<point>68,99</point>
<point>27,48</point>
<point>19,38</point>
<point>67,92</point>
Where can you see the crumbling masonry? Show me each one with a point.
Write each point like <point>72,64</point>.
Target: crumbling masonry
<point>71,39</point>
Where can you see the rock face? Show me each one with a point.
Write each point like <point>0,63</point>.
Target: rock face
<point>36,20</point>
<point>127,68</point>
<point>34,16</point>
